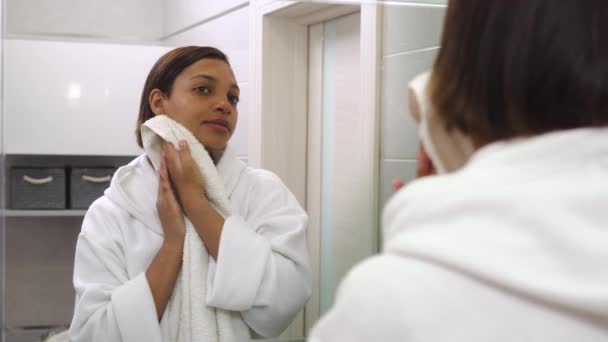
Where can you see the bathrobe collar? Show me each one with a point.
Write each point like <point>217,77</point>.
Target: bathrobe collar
<point>134,186</point>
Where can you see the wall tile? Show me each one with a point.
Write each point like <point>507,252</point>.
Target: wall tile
<point>127,19</point>
<point>229,33</point>
<point>407,28</point>
<point>180,14</point>
<point>399,137</point>
<point>73,98</point>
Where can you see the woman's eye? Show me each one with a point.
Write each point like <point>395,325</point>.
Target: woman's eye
<point>233,99</point>
<point>202,90</point>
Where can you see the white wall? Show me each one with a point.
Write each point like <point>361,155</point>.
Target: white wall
<point>410,42</point>
<point>74,74</point>
<point>73,98</point>
<point>123,19</point>
<point>184,14</point>
<point>223,24</point>
<point>228,32</point>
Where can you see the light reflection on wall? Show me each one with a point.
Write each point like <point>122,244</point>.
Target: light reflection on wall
<point>74,91</point>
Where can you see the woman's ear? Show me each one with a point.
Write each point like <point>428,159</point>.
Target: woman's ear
<point>157,101</point>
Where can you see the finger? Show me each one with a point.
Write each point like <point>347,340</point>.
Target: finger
<point>165,151</point>
<point>186,156</point>
<point>173,160</point>
<point>164,147</point>
<point>160,176</point>
<point>397,184</point>
<point>184,151</point>
<point>164,175</point>
<point>171,189</point>
<point>163,168</point>
<point>163,184</point>
<point>167,190</point>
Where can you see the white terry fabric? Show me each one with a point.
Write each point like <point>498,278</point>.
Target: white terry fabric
<point>60,337</point>
<point>162,128</point>
<point>187,317</point>
<point>512,247</point>
<point>261,276</point>
<point>448,150</point>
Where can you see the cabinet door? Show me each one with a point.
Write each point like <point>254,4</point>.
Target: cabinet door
<point>73,98</point>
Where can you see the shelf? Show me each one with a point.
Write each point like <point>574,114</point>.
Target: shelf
<point>43,213</point>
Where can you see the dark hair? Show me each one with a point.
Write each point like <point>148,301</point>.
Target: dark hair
<point>522,67</point>
<point>165,71</point>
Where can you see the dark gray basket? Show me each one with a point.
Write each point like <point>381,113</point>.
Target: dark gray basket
<point>88,184</point>
<point>37,188</point>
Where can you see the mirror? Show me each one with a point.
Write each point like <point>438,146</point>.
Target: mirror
<point>323,105</point>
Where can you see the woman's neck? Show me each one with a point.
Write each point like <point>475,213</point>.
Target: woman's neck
<point>216,155</point>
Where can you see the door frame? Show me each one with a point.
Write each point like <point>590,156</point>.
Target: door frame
<point>278,135</point>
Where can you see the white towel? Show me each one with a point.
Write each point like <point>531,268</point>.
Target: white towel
<point>448,150</point>
<point>187,318</point>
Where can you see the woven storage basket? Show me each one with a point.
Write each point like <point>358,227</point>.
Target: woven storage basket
<point>37,188</point>
<point>88,184</point>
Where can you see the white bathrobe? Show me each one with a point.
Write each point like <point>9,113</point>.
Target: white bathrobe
<point>262,269</point>
<point>513,247</point>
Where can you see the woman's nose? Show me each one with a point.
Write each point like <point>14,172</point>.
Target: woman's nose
<point>223,105</point>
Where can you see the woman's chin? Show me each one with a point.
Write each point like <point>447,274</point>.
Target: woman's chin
<point>212,139</point>
<point>213,145</point>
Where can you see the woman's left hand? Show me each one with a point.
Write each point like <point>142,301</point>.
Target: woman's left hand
<point>185,173</point>
<point>424,168</point>
<point>188,182</point>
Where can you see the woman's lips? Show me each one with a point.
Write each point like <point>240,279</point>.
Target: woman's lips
<point>219,126</point>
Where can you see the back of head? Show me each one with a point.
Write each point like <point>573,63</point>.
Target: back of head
<point>522,67</point>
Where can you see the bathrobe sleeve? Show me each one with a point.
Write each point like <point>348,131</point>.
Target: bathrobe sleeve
<point>109,305</point>
<point>263,267</point>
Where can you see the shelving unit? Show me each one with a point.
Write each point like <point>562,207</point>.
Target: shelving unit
<point>60,161</point>
<point>43,213</point>
<point>53,161</point>
<point>40,245</point>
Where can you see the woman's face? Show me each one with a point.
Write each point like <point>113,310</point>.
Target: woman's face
<point>203,99</point>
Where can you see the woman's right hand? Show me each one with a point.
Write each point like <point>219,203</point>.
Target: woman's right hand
<point>169,210</point>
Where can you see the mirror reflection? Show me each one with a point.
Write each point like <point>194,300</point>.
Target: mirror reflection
<point>302,108</point>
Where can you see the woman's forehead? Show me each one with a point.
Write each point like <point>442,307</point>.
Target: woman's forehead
<point>214,68</point>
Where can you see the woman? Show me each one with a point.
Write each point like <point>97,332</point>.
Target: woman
<point>129,251</point>
<point>509,244</point>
